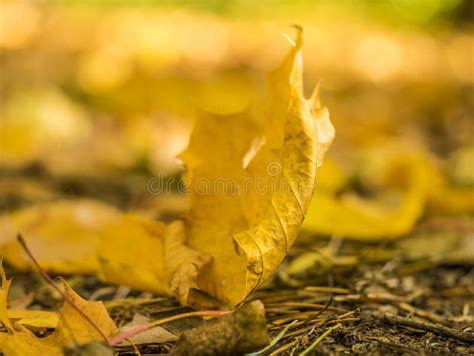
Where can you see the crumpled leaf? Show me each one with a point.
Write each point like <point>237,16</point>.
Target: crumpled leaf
<point>148,255</point>
<point>182,263</point>
<point>71,328</point>
<point>249,234</point>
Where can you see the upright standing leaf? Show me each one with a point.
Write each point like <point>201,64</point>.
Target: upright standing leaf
<point>259,184</point>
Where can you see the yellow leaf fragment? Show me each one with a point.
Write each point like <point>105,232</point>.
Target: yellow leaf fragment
<point>131,253</point>
<point>408,180</point>
<point>90,237</point>
<point>72,327</point>
<point>34,318</point>
<point>147,255</point>
<point>451,200</point>
<point>62,235</point>
<point>182,264</point>
<point>24,342</point>
<point>246,216</point>
<point>3,299</point>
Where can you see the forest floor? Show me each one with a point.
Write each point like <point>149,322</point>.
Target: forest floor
<point>330,296</point>
<point>389,308</point>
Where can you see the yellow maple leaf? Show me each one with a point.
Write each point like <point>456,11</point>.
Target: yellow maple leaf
<point>258,184</point>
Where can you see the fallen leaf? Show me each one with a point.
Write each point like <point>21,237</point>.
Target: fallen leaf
<point>182,263</point>
<point>18,341</point>
<point>62,235</point>
<point>147,255</point>
<point>72,328</point>
<point>451,200</point>
<point>154,335</point>
<point>249,228</point>
<point>131,252</point>
<point>407,182</point>
<point>3,299</point>
<point>444,247</point>
<point>34,319</point>
<point>23,342</point>
<point>323,261</point>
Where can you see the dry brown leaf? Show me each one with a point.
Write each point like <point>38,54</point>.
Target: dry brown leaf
<point>154,335</point>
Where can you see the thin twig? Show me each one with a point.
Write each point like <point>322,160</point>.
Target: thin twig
<point>439,330</point>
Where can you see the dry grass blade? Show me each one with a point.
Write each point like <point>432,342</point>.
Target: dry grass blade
<point>319,339</point>
<point>274,340</point>
<point>334,290</point>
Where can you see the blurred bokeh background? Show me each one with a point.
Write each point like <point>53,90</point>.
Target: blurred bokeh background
<point>97,96</point>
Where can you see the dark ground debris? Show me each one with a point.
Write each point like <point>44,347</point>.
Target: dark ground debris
<point>379,311</point>
<point>413,296</point>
